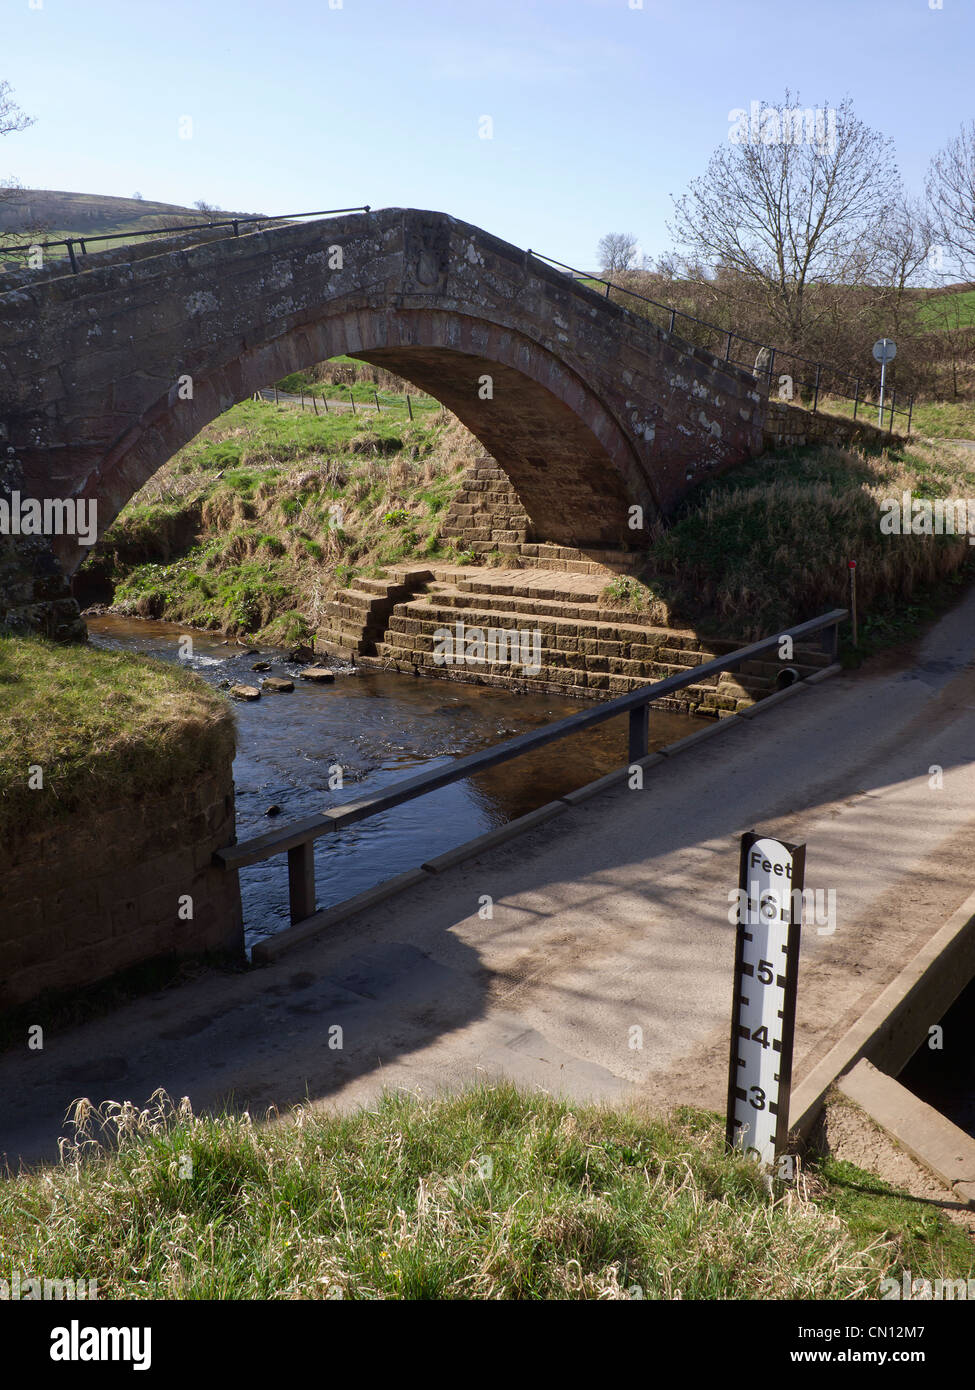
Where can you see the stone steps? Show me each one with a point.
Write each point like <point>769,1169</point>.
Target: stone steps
<point>706,700</point>
<point>586,649</point>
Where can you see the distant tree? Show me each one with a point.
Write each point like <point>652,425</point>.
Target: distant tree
<point>951,194</point>
<point>617,252</point>
<point>138,197</point>
<point>205,207</point>
<point>788,214</point>
<point>11,116</point>
<point>13,120</point>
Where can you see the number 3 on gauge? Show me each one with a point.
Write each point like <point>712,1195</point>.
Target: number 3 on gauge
<point>757,1097</point>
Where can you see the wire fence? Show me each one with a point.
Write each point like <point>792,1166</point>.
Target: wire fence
<point>310,400</point>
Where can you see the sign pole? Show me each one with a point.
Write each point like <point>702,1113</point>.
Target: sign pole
<point>884,351</point>
<point>763,1015</point>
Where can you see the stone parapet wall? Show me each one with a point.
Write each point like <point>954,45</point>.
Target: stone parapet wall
<point>102,891</point>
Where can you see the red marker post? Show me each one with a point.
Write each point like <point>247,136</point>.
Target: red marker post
<point>851,566</point>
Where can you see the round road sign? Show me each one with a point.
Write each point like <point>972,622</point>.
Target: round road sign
<point>885,349</point>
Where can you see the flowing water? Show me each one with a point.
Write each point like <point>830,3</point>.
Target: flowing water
<point>378,728</point>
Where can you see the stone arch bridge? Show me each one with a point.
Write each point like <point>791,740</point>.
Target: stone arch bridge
<point>589,409</point>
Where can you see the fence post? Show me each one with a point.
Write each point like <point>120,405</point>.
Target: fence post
<point>352,400</point>
<point>639,732</point>
<point>852,568</point>
<point>376,394</point>
<point>325,399</point>
<point>275,395</point>
<point>314,401</point>
<point>819,373</point>
<point>301,880</point>
<point>856,399</point>
<point>408,405</point>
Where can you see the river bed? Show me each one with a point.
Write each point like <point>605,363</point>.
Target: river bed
<point>378,728</point>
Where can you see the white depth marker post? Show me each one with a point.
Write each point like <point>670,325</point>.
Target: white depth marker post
<point>764,1007</point>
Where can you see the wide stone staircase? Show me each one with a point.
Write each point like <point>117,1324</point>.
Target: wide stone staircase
<point>589,647</point>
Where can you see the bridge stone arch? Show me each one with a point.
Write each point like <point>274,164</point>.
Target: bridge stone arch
<point>590,410</point>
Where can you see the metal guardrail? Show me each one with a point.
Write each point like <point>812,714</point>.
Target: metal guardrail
<point>815,385</point>
<point>298,838</point>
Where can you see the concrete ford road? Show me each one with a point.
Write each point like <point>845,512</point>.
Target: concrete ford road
<point>603,965</point>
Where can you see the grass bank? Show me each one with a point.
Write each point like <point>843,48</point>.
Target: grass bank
<point>254,525</point>
<point>81,727</point>
<point>491,1194</point>
<point>766,545</point>
<point>934,419</point>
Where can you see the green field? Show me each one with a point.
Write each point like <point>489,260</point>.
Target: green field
<point>952,309</point>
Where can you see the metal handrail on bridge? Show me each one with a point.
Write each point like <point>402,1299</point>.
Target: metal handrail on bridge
<point>235,222</point>
<point>584,277</point>
<point>297,839</point>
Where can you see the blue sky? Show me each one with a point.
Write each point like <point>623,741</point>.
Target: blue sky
<point>600,111</point>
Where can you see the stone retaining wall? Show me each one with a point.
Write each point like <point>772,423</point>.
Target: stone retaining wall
<point>789,426</point>
<point>103,890</point>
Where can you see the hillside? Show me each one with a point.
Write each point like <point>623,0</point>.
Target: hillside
<point>54,214</point>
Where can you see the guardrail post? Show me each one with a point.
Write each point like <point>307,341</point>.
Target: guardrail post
<point>893,397</point>
<point>673,319</point>
<point>819,373</point>
<point>910,411</point>
<point>639,732</point>
<point>74,260</point>
<point>301,881</point>
<point>771,364</point>
<point>727,351</point>
<point>830,641</point>
<point>856,399</point>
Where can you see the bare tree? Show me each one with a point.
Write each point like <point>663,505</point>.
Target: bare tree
<point>617,252</point>
<point>951,193</point>
<point>13,120</point>
<point>11,117</point>
<point>795,204</point>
